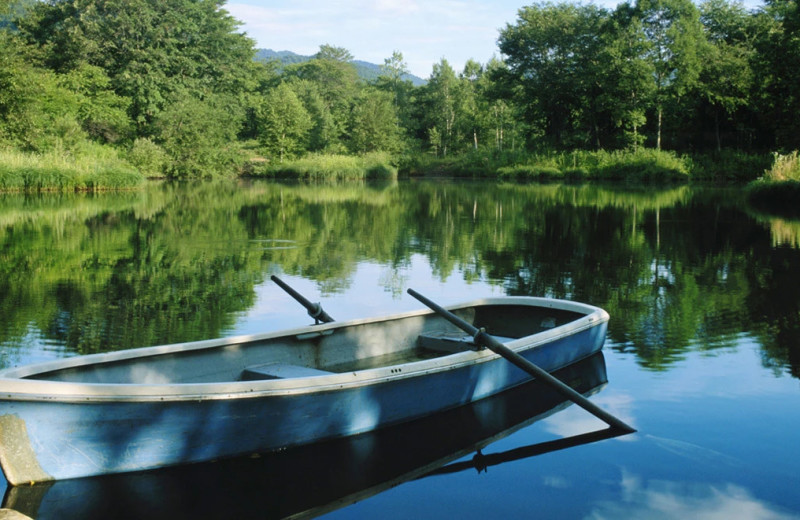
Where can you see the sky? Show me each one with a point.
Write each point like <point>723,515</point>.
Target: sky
<point>425,31</point>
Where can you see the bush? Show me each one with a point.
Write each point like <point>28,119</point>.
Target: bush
<point>148,157</point>
<point>375,165</point>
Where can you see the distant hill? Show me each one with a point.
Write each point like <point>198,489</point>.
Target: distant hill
<point>366,71</point>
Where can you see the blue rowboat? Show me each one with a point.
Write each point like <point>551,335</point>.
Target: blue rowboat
<point>152,407</point>
<point>311,480</point>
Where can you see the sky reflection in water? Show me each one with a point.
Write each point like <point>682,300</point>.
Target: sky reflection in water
<point>704,302</point>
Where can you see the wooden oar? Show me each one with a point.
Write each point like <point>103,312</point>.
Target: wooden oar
<point>480,461</point>
<point>314,309</point>
<point>482,338</point>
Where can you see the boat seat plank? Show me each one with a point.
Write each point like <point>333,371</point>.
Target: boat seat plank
<point>450,341</point>
<point>280,371</point>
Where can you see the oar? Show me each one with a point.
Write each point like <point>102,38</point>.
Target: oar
<point>314,309</point>
<point>480,461</point>
<point>482,338</point>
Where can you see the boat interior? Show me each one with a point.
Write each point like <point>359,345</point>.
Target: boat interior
<point>314,351</point>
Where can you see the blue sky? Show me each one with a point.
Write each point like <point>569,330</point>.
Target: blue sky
<point>423,30</point>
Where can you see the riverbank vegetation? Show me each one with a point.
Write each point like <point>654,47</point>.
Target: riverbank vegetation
<point>650,90</point>
<point>778,191</point>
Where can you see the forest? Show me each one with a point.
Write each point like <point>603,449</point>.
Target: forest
<point>118,90</point>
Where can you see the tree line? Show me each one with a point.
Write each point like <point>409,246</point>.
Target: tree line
<point>174,88</point>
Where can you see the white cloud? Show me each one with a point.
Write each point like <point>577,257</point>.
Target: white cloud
<point>660,499</point>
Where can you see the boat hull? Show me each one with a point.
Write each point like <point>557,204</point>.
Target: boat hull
<point>314,479</point>
<point>60,438</point>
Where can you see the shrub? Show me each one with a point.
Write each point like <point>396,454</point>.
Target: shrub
<point>375,165</point>
<point>148,157</point>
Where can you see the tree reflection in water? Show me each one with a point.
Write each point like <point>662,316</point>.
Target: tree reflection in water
<point>678,269</point>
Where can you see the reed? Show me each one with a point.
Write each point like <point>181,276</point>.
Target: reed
<point>375,165</point>
<point>784,168</point>
<point>777,192</point>
<point>644,164</point>
<point>58,171</point>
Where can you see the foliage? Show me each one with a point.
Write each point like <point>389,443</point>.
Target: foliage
<point>784,168</point>
<point>60,172</point>
<point>373,124</point>
<point>680,269</point>
<point>640,165</point>
<point>199,136</point>
<point>176,79</point>
<point>728,165</point>
<point>375,165</point>
<point>283,123</point>
<point>778,190</point>
<point>149,158</point>
<point>149,49</point>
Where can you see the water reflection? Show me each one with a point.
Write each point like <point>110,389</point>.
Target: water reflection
<point>308,481</point>
<point>666,499</point>
<point>679,269</point>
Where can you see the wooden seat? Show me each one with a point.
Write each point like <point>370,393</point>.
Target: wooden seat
<point>280,371</point>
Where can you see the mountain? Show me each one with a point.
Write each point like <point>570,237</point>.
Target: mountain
<point>366,71</point>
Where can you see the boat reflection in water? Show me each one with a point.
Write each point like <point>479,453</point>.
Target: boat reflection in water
<point>318,478</point>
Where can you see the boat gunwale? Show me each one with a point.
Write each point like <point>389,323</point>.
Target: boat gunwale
<point>14,387</point>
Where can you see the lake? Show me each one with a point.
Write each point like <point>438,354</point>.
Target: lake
<point>702,354</point>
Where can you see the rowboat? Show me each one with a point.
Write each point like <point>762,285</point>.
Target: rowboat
<point>183,403</point>
<point>315,479</point>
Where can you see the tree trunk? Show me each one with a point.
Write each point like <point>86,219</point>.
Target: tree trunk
<point>658,134</point>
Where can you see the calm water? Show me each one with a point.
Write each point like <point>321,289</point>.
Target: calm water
<point>703,353</point>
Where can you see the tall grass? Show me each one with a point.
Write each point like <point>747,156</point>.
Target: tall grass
<point>644,164</point>
<point>376,165</point>
<point>60,171</point>
<point>778,191</point>
<point>729,165</point>
<point>784,168</point>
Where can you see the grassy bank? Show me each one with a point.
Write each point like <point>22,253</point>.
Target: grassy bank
<point>56,171</point>
<point>644,165</point>
<point>327,167</point>
<point>778,191</point>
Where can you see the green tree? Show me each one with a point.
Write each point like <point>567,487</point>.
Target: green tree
<point>778,46</point>
<point>373,123</point>
<point>101,112</point>
<point>441,101</point>
<point>283,122</point>
<point>391,79</point>
<point>473,103</point>
<point>552,53</point>
<point>676,39</point>
<point>337,85</point>
<point>199,134</point>
<point>150,49</point>
<point>627,85</point>
<point>392,72</point>
<point>727,77</point>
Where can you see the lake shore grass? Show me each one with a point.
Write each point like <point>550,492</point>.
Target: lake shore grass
<point>643,165</point>
<point>103,167</point>
<point>376,165</point>
<point>777,192</point>
<point>54,171</point>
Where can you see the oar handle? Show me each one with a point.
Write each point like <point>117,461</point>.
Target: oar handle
<point>314,309</point>
<point>482,338</point>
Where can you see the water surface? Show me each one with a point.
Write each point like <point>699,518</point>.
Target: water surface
<point>703,353</point>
